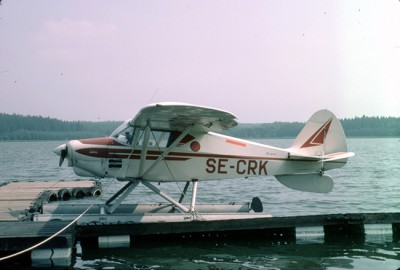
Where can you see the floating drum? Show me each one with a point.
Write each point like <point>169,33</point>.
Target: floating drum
<point>94,192</point>
<point>50,196</point>
<point>56,257</point>
<point>64,194</point>
<point>78,193</point>
<point>114,241</point>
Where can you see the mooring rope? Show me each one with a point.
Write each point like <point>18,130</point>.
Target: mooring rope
<point>49,238</point>
<point>57,233</point>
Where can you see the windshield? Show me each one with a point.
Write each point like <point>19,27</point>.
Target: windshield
<point>128,134</point>
<point>120,128</point>
<point>124,133</point>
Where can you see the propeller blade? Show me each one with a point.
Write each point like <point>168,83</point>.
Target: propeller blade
<point>63,154</point>
<point>61,151</point>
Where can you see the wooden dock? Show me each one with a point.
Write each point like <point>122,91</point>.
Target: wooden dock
<point>18,200</point>
<point>140,223</point>
<point>352,227</point>
<point>33,211</point>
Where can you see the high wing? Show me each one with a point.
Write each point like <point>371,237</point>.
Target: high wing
<point>179,116</point>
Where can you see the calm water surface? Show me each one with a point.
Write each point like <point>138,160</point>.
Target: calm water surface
<point>370,182</point>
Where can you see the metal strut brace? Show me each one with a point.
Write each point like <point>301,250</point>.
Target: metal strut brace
<point>166,151</point>
<point>165,196</point>
<point>184,191</point>
<point>144,150</point>
<point>127,189</point>
<point>123,193</point>
<point>194,194</point>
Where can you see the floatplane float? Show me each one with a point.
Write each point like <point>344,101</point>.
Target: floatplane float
<point>177,142</point>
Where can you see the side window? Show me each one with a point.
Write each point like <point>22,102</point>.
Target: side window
<point>172,137</point>
<point>158,138</point>
<point>175,134</point>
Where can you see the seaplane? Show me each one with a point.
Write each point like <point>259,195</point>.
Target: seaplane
<point>179,142</point>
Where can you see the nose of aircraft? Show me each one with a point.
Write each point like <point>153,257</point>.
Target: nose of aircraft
<point>62,151</point>
<point>59,148</point>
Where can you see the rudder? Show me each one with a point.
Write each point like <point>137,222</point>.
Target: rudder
<point>322,135</point>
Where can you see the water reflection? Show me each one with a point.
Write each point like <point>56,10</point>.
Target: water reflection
<point>244,255</point>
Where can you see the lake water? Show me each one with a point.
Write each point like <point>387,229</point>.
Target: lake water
<point>370,182</point>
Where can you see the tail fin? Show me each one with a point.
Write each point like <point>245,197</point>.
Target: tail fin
<point>321,140</point>
<point>322,135</point>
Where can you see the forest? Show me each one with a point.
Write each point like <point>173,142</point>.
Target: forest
<point>19,127</point>
<point>353,127</point>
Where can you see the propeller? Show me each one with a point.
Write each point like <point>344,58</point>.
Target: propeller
<point>64,153</point>
<point>61,151</point>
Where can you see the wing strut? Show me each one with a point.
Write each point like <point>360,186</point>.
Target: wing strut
<point>165,153</point>
<point>127,189</point>
<point>144,150</point>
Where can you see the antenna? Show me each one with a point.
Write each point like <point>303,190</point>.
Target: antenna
<point>154,94</point>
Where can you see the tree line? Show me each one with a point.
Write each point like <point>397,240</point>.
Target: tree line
<point>353,127</point>
<point>19,127</point>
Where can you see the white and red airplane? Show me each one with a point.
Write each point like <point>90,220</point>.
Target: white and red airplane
<point>170,142</point>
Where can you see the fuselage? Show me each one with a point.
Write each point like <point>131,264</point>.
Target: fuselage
<point>132,153</point>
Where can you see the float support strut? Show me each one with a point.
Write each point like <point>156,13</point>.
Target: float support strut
<point>165,196</point>
<point>123,193</point>
<point>194,194</point>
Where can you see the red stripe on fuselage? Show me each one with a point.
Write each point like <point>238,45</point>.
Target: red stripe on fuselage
<point>124,154</point>
<point>101,141</point>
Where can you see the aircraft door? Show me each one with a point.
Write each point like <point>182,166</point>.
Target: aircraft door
<point>121,153</point>
<point>146,147</point>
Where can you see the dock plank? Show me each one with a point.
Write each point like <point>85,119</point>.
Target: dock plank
<point>17,198</point>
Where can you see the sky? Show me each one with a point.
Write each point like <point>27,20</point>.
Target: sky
<point>264,61</point>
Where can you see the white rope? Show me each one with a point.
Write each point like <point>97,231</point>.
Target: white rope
<point>60,231</point>
<point>48,239</point>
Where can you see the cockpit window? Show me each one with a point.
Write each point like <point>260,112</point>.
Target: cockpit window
<point>120,128</point>
<point>125,136</point>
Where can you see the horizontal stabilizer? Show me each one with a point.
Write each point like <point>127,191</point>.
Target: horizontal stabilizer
<point>324,158</point>
<point>337,156</point>
<point>307,182</point>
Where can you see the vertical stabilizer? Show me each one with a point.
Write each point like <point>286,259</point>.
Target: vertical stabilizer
<point>322,135</point>
<point>321,141</point>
